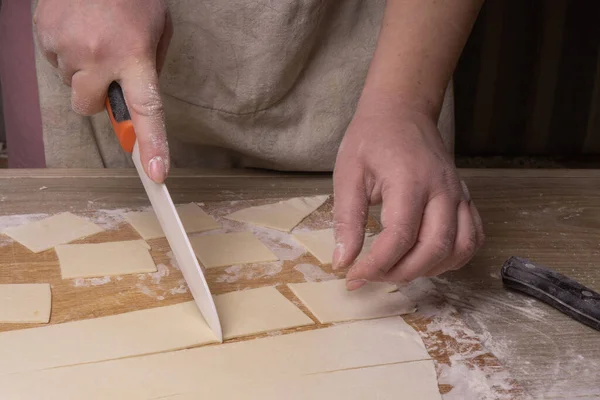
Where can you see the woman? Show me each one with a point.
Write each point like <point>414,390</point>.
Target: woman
<point>289,85</point>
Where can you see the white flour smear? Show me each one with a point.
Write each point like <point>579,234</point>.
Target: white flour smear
<point>8,221</point>
<point>162,271</point>
<point>181,289</point>
<point>469,381</point>
<point>149,292</point>
<point>312,273</point>
<point>250,271</point>
<point>109,219</point>
<point>172,260</point>
<point>567,374</point>
<point>87,282</point>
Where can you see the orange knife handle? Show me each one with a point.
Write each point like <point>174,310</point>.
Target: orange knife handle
<point>119,117</point>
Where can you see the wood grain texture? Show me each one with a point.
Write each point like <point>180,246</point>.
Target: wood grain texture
<point>549,216</point>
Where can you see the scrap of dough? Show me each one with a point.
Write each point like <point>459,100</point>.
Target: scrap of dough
<point>255,311</point>
<point>193,218</point>
<point>25,303</point>
<point>47,233</point>
<point>253,365</point>
<point>283,216</point>
<point>104,259</point>
<point>141,332</point>
<point>321,244</point>
<point>329,301</point>
<point>229,249</point>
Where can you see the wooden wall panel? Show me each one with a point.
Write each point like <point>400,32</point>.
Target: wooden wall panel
<point>528,81</point>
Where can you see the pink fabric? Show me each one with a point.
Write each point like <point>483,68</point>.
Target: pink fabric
<point>22,115</point>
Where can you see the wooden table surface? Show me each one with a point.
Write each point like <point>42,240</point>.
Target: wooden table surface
<point>549,216</point>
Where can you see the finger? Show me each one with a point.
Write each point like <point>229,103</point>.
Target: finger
<point>88,92</point>
<point>401,220</point>
<point>141,91</point>
<point>163,44</point>
<point>464,246</point>
<point>435,242</point>
<point>349,214</point>
<point>478,224</point>
<point>65,70</point>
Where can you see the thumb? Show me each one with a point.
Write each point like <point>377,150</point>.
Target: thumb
<point>141,91</point>
<point>349,215</point>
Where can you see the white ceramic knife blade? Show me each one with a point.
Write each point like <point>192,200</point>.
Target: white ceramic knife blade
<point>180,245</point>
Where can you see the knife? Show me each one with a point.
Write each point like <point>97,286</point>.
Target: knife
<point>165,211</point>
<point>565,294</point>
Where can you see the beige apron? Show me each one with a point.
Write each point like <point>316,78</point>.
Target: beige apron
<point>268,84</point>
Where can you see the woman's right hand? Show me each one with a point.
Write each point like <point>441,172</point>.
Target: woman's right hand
<point>93,43</point>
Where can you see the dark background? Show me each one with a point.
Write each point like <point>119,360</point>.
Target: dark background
<point>528,81</point>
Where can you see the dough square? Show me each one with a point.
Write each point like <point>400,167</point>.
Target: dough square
<point>230,248</point>
<point>249,312</point>
<point>47,233</point>
<point>153,330</point>
<point>283,216</point>
<point>104,259</point>
<point>330,301</point>
<point>321,244</point>
<point>25,303</point>
<point>193,218</point>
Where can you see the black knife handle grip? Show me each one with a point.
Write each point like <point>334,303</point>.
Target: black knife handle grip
<point>564,294</point>
<point>120,118</point>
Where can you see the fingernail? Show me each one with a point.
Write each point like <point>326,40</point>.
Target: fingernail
<point>355,284</point>
<point>157,169</point>
<point>337,256</point>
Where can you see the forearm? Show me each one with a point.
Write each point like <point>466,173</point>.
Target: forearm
<point>419,44</point>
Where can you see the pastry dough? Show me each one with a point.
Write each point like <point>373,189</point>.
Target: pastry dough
<point>414,380</point>
<point>104,259</point>
<point>193,218</point>
<point>230,248</point>
<point>283,216</point>
<point>259,310</point>
<point>21,303</point>
<point>313,358</point>
<point>117,336</point>
<point>47,233</point>
<point>321,244</point>
<point>329,301</point>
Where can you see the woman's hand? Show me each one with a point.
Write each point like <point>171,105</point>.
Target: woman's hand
<point>396,156</point>
<point>93,43</point>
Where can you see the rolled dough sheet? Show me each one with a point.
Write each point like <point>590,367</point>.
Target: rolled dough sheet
<point>329,301</point>
<point>255,311</point>
<point>359,346</point>
<point>414,380</point>
<point>283,216</point>
<point>104,259</point>
<point>49,232</point>
<point>193,218</point>
<point>230,248</point>
<point>117,336</point>
<point>25,303</point>
<point>321,244</point>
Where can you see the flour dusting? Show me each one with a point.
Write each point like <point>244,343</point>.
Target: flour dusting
<point>149,292</point>
<point>109,219</point>
<point>250,271</point>
<point>87,282</point>
<point>162,271</point>
<point>172,260</point>
<point>181,289</point>
<point>312,273</point>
